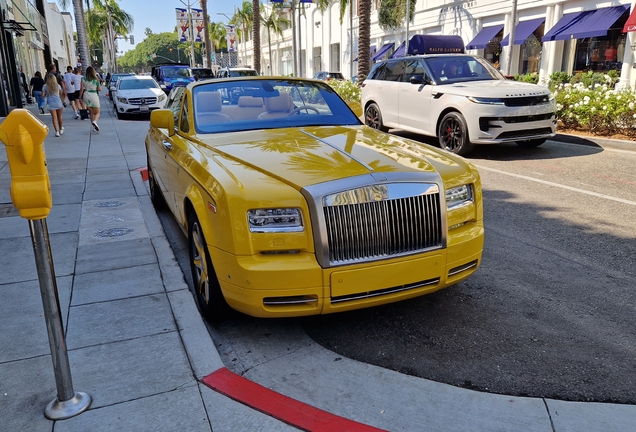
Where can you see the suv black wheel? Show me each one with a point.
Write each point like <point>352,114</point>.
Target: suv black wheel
<point>206,286</point>
<point>453,134</point>
<point>531,143</point>
<point>373,118</point>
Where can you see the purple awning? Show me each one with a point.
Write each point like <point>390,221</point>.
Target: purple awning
<point>585,24</point>
<point>484,37</point>
<point>523,30</point>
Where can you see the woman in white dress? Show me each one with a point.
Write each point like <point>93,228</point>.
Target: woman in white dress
<point>90,94</point>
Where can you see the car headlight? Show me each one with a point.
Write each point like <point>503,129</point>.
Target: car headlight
<point>459,196</point>
<point>122,100</point>
<point>485,100</point>
<point>275,220</point>
<point>162,98</point>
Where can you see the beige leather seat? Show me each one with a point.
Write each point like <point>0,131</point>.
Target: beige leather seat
<point>208,108</point>
<point>277,106</point>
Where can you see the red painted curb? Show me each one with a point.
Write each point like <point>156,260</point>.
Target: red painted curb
<point>281,407</point>
<point>144,173</point>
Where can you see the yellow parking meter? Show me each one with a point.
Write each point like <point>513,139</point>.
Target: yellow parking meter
<point>23,134</point>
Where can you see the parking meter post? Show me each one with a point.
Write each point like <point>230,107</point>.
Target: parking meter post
<point>68,402</point>
<point>23,135</point>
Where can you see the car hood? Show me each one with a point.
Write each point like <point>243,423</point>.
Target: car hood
<point>140,93</point>
<point>309,155</point>
<point>494,88</point>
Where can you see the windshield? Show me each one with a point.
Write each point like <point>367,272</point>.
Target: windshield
<point>240,73</point>
<point>176,72</point>
<point>240,105</point>
<point>452,69</point>
<point>135,84</point>
<point>203,73</point>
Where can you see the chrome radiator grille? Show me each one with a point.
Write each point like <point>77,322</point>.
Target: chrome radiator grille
<point>383,228</point>
<point>142,101</point>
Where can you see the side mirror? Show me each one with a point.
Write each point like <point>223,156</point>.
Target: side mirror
<point>356,107</point>
<point>417,79</point>
<point>163,119</point>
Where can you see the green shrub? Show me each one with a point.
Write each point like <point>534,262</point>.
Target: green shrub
<point>532,78</point>
<point>596,107</point>
<point>350,92</point>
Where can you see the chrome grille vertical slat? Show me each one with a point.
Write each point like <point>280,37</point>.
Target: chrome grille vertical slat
<point>371,230</point>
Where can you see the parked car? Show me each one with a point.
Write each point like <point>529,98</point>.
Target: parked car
<point>292,206</point>
<point>459,98</point>
<point>138,95</point>
<point>202,73</point>
<point>170,75</point>
<point>112,84</point>
<point>326,76</point>
<point>230,72</point>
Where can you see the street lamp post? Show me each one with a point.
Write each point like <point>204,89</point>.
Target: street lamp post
<point>190,32</point>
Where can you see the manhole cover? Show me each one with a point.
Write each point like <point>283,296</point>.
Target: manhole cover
<point>104,204</point>
<point>113,232</point>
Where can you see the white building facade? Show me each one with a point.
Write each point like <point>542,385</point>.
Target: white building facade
<point>550,36</point>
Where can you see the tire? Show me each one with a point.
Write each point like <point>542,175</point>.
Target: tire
<point>373,118</point>
<point>453,134</point>
<point>119,116</point>
<point>211,302</point>
<point>157,198</point>
<point>531,143</point>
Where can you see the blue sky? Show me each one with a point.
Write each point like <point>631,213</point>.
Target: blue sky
<point>159,15</point>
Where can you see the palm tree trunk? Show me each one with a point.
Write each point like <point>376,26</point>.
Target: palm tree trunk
<point>269,44</point>
<point>206,34</point>
<point>82,35</point>
<point>256,8</point>
<point>365,39</point>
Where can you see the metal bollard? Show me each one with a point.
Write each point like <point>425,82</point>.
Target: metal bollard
<point>23,135</point>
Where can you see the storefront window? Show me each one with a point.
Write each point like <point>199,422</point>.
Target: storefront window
<point>493,50</point>
<point>530,52</point>
<point>602,54</point>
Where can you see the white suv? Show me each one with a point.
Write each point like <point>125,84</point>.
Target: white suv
<point>138,94</point>
<point>459,98</point>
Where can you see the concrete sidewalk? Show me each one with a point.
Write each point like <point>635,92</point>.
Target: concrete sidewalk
<point>138,346</point>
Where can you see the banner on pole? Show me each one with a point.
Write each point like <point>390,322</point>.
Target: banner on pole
<point>182,24</point>
<point>230,34</point>
<point>197,24</point>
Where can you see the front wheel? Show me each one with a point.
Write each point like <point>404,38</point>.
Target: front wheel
<point>373,118</point>
<point>531,143</point>
<point>453,134</point>
<point>206,286</point>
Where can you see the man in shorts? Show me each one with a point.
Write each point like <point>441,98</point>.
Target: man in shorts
<point>69,81</point>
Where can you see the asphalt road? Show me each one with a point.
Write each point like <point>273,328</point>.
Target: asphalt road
<point>551,311</point>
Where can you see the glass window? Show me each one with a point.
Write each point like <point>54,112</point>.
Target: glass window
<point>414,67</point>
<point>183,123</point>
<point>530,52</point>
<point>174,103</point>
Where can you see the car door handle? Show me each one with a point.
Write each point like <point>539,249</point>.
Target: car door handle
<point>167,145</point>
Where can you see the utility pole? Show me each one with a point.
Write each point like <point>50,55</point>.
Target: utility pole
<point>408,18</point>
<point>190,31</point>
<point>294,50</point>
<point>511,37</point>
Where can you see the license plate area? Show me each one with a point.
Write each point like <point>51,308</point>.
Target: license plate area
<point>144,108</point>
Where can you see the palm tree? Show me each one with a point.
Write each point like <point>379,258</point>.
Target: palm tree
<point>104,21</point>
<point>275,23</point>
<point>243,20</point>
<point>80,24</point>
<point>256,17</point>
<point>206,33</point>
<point>217,36</point>
<point>364,39</point>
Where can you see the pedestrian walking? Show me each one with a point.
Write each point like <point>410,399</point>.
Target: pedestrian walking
<point>52,69</point>
<point>36,85</point>
<point>69,80</point>
<point>90,94</point>
<point>52,90</point>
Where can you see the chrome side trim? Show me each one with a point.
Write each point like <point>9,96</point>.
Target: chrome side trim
<point>462,268</point>
<point>285,301</point>
<point>384,291</point>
